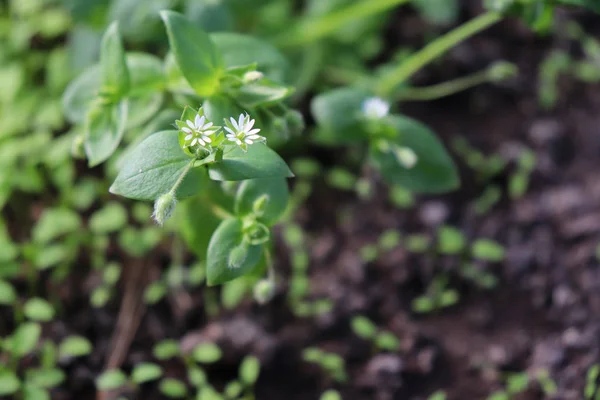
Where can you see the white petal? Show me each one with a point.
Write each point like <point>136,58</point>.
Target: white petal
<point>230,131</point>
<point>241,121</point>
<point>190,124</point>
<point>206,139</point>
<point>249,125</point>
<point>254,137</point>
<point>234,123</point>
<point>207,125</point>
<point>186,129</point>
<point>253,131</point>
<point>194,141</point>
<point>248,141</point>
<point>198,121</point>
<point>238,141</point>
<point>189,137</point>
<point>201,141</point>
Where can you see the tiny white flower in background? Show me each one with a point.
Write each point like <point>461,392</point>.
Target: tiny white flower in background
<point>375,108</point>
<point>198,131</point>
<point>406,156</point>
<point>241,132</point>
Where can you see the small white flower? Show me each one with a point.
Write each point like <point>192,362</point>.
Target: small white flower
<point>241,132</point>
<point>198,131</point>
<point>375,108</point>
<point>252,76</point>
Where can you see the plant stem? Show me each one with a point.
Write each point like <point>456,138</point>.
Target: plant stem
<point>418,60</point>
<point>443,89</point>
<point>219,211</point>
<point>310,28</point>
<point>182,177</point>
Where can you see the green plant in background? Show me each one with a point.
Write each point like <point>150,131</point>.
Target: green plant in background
<point>591,383</point>
<point>517,383</point>
<point>382,340</point>
<point>331,363</point>
<point>436,297</point>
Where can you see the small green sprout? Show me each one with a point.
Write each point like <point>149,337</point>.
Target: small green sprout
<point>331,363</point>
<point>381,340</point>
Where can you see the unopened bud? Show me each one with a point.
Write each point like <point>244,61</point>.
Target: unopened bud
<point>264,291</point>
<point>259,205</point>
<point>237,256</point>
<point>406,156</point>
<point>164,207</point>
<point>502,70</point>
<point>252,76</point>
<point>77,150</point>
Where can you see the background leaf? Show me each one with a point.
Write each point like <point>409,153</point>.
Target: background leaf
<point>250,190</point>
<point>196,55</point>
<point>115,75</point>
<point>104,131</point>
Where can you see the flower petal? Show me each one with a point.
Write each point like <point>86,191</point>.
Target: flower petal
<point>189,137</point>
<point>230,131</point>
<point>190,124</point>
<point>254,131</point>
<point>248,141</point>
<point>234,123</point>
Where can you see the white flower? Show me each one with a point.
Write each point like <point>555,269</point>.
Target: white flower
<point>406,156</point>
<point>198,131</point>
<point>241,132</point>
<point>375,108</point>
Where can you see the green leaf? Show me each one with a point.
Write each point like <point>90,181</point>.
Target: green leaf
<point>9,383</point>
<point>195,53</point>
<point>590,4</point>
<point>111,380</point>
<point>166,349</point>
<point>207,353</point>
<point>54,223</point>
<point>147,83</point>
<point>46,378</point>
<point>115,75</point>
<point>217,108</point>
<point>38,309</point>
<point>434,171</point>
<point>330,395</point>
<point>249,370</point>
<point>146,372</point>
<point>111,218</point>
<point>387,341</point>
<point>450,240</point>
<point>238,50</point>
<point>258,162</point>
<point>173,388</point>
<point>75,346</point>
<point>488,250</point>
<point>338,114</point>
<point>81,93</point>
<point>104,130</point>
<point>153,167</point>
<point>8,295</point>
<point>229,256</point>
<point>363,327</point>
<point>272,193</point>
<point>263,92</point>
<point>24,339</point>
<point>32,392</point>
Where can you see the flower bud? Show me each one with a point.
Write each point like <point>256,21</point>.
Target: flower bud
<point>237,256</point>
<point>264,291</point>
<point>77,149</point>
<point>163,208</point>
<point>406,156</point>
<point>259,205</point>
<point>252,76</point>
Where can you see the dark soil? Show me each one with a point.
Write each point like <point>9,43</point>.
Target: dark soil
<point>544,313</point>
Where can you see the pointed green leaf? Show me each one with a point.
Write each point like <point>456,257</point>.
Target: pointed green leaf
<point>153,167</point>
<point>262,93</point>
<point>258,162</point>
<point>24,339</point>
<point>105,127</point>
<point>9,383</point>
<point>225,260</point>
<point>146,372</point>
<point>195,53</point>
<point>434,171</point>
<point>115,75</point>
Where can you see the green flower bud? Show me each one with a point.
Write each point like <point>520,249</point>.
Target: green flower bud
<point>238,256</point>
<point>264,291</point>
<point>259,205</point>
<point>257,233</point>
<point>502,70</point>
<point>164,207</point>
<point>252,76</point>
<point>77,149</point>
<point>406,156</point>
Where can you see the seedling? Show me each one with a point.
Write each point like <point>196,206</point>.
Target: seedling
<point>437,296</point>
<point>331,363</point>
<point>381,340</point>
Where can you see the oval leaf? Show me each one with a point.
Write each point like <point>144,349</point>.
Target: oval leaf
<point>338,114</point>
<point>195,53</point>
<point>258,162</point>
<point>153,167</point>
<point>275,192</point>
<point>104,130</point>
<point>227,239</point>
<point>434,171</point>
